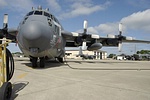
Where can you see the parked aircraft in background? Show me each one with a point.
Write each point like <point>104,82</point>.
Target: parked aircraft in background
<point>84,56</point>
<point>40,36</point>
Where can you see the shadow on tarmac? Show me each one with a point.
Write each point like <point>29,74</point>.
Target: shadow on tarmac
<point>54,64</point>
<point>18,86</point>
<point>48,64</point>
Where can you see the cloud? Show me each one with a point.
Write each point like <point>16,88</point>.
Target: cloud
<point>108,28</point>
<point>82,7</point>
<point>103,29</point>
<point>17,5</point>
<point>2,3</point>
<point>54,5</point>
<point>138,21</point>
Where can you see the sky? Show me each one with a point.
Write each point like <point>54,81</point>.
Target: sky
<point>103,17</point>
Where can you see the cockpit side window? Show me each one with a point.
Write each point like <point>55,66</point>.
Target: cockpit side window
<point>55,19</point>
<point>38,13</point>
<point>30,13</point>
<point>46,14</point>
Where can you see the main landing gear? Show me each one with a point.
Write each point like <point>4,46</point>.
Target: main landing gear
<point>34,62</point>
<point>60,60</point>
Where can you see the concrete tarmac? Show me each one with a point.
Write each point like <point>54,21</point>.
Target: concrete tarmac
<point>82,80</point>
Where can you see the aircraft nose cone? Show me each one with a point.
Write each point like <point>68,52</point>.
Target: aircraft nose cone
<point>32,30</point>
<point>35,34</point>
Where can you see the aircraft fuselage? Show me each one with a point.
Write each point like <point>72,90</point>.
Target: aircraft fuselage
<point>39,35</point>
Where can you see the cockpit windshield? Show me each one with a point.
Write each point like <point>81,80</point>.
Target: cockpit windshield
<point>30,13</point>
<point>38,13</point>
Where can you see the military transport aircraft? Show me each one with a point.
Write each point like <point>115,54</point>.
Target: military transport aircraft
<point>40,36</point>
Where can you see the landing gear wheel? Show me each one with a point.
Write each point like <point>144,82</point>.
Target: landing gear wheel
<point>42,62</point>
<point>30,59</point>
<point>60,60</point>
<point>5,91</point>
<point>34,62</point>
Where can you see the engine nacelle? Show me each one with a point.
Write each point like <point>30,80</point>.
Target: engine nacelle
<point>94,46</point>
<point>78,41</point>
<point>112,42</point>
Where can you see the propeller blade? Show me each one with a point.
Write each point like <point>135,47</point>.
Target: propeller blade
<point>5,21</point>
<point>80,51</point>
<point>85,26</point>
<point>119,46</point>
<point>120,29</point>
<point>84,47</point>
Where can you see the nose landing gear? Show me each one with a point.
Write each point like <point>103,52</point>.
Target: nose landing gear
<point>34,62</point>
<point>42,62</point>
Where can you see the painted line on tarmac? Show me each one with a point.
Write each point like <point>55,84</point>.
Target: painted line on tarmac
<point>22,75</point>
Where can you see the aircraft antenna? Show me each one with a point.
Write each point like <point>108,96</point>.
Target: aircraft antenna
<point>33,8</point>
<point>39,7</point>
<point>47,9</point>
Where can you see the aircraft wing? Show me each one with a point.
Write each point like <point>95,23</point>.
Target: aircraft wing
<point>136,41</point>
<point>107,41</point>
<point>74,39</point>
<point>95,42</point>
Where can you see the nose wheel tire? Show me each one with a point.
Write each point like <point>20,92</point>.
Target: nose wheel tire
<point>42,62</point>
<point>5,91</point>
<point>60,60</point>
<point>34,62</point>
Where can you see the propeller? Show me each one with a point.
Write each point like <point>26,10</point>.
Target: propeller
<point>84,34</point>
<point>120,37</point>
<point>82,37</point>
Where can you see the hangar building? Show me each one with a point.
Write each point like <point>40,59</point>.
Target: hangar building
<point>98,54</point>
